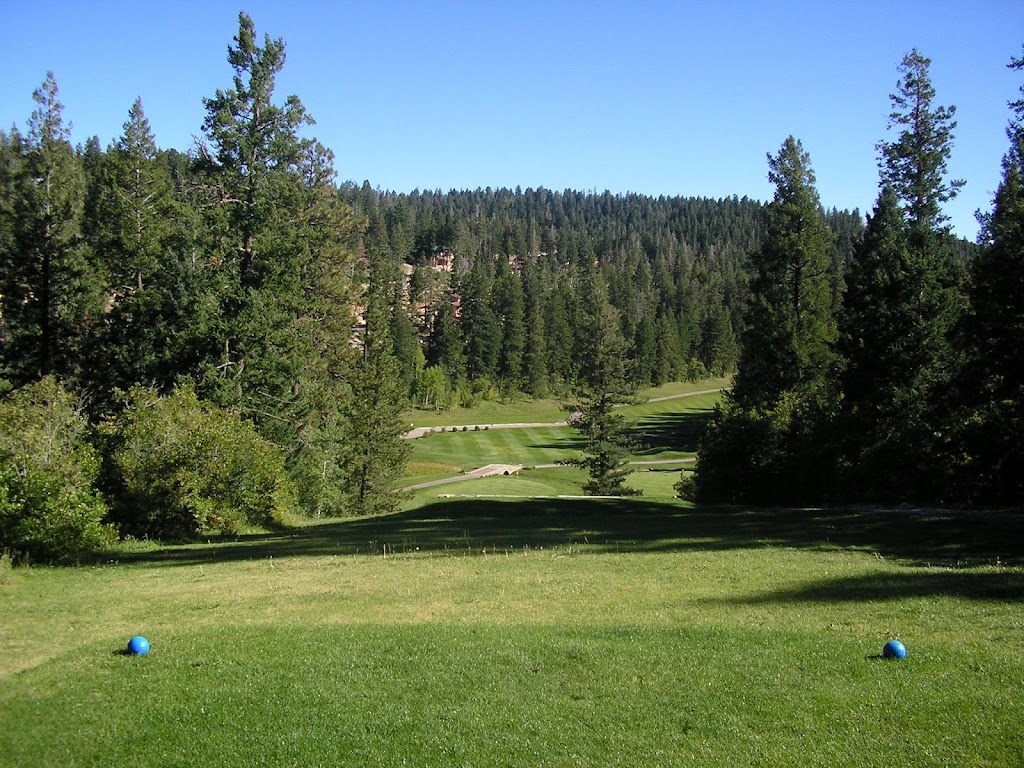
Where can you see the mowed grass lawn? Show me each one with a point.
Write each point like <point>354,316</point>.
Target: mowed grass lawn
<point>531,633</point>
<point>507,627</point>
<point>663,429</point>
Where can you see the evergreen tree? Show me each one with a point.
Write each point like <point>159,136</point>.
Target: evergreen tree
<point>139,204</point>
<point>373,412</point>
<point>901,307</point>
<point>509,312</point>
<point>559,319</point>
<point>765,443</point>
<point>914,164</point>
<point>50,292</point>
<point>445,347</point>
<point>479,324</point>
<point>282,246</point>
<point>603,383</point>
<point>993,379</point>
<point>253,180</point>
<point>790,328</point>
<point>536,375</point>
<point>135,225</point>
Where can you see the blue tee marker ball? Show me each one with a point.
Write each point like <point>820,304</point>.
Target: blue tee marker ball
<point>894,649</point>
<point>138,646</point>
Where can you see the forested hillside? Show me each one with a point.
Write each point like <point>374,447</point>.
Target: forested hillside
<point>494,279</point>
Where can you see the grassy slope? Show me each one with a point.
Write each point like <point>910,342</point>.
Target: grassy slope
<point>528,410</point>
<point>529,633</point>
<point>500,631</point>
<point>669,428</point>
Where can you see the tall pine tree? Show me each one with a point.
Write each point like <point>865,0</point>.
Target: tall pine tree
<point>902,306</point>
<point>50,290</point>
<point>763,445</point>
<point>993,378</point>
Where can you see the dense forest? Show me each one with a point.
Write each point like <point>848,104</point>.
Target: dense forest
<point>197,341</point>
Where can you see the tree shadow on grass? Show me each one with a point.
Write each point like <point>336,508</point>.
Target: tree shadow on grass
<point>479,526</point>
<point>1003,585</point>
<point>671,431</point>
<point>571,442</point>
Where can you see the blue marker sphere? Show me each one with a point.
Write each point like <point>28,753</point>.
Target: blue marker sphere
<point>894,649</point>
<point>138,646</point>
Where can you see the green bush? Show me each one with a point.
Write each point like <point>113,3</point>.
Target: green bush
<point>181,467</point>
<point>49,508</point>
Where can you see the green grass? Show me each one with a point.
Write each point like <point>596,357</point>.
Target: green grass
<point>668,429</point>
<point>522,410</point>
<point>472,449</point>
<point>498,632</point>
<point>501,630</point>
<point>548,410</point>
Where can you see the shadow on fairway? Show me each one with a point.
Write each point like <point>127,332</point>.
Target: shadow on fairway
<point>671,431</point>
<point>478,526</point>
<point>1005,585</point>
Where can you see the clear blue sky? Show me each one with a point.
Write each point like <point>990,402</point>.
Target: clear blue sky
<point>673,98</point>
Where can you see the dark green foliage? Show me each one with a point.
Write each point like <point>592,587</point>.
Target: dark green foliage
<point>180,467</point>
<point>764,444</point>
<point>376,454</point>
<point>901,309</point>
<point>50,510</point>
<point>914,163</point>
<point>49,288</point>
<point>445,347</point>
<point>509,312</point>
<point>604,382</point>
<point>790,326</point>
<point>480,326</point>
<point>892,345</point>
<point>992,382</point>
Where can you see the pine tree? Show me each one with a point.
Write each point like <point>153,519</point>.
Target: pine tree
<point>914,164</point>
<point>479,324</point>
<point>256,173</point>
<point>993,378</point>
<point>509,312</point>
<point>790,326</point>
<point>603,383</point>
<point>373,412</point>
<point>139,204</point>
<point>51,296</point>
<point>445,346</point>
<point>536,375</point>
<point>134,224</point>
<point>764,444</point>
<point>901,307</point>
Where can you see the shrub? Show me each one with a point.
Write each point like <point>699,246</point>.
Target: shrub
<point>181,467</point>
<point>50,509</point>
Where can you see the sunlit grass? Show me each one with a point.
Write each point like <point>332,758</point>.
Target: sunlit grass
<point>509,626</point>
<point>492,631</point>
<point>529,410</point>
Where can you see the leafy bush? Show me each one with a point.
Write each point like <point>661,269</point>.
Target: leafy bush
<point>49,508</point>
<point>181,467</point>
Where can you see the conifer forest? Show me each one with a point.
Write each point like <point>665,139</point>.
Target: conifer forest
<point>230,335</point>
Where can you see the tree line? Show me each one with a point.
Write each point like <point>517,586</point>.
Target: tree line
<point>504,312</point>
<point>227,337</point>
<point>911,389</point>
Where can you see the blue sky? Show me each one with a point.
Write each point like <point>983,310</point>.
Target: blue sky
<point>673,98</point>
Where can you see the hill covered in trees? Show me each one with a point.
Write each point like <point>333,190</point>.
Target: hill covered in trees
<point>494,279</point>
